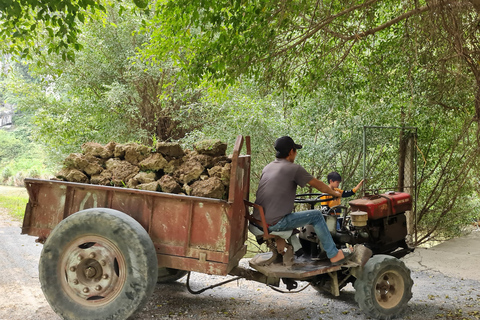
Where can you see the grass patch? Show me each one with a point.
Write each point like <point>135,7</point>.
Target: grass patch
<point>15,205</point>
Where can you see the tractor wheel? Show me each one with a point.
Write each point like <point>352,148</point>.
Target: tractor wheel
<point>98,264</point>
<point>384,287</point>
<point>167,275</point>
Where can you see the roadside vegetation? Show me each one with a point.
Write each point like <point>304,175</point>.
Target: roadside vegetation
<point>190,70</point>
<point>14,205</point>
<point>20,158</point>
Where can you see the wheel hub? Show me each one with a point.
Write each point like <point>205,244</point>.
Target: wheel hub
<point>94,270</point>
<point>389,289</point>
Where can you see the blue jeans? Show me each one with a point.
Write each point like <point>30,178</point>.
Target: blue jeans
<point>302,218</point>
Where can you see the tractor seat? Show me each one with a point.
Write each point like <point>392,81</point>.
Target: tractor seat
<point>289,235</point>
<point>282,243</point>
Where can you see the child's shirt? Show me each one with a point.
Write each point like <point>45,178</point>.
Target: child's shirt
<point>336,201</point>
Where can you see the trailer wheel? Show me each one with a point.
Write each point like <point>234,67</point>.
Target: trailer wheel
<point>167,275</point>
<point>384,287</point>
<point>98,264</point>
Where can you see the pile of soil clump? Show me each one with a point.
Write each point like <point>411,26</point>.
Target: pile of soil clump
<point>202,172</point>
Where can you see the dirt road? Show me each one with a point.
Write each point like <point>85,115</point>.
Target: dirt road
<point>21,296</point>
<point>447,286</point>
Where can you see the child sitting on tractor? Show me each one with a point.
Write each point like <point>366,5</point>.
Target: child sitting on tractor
<point>330,207</point>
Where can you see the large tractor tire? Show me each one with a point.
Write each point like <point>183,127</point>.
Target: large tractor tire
<point>384,287</point>
<point>168,275</point>
<point>98,264</point>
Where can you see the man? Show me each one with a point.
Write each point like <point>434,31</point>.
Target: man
<point>276,194</point>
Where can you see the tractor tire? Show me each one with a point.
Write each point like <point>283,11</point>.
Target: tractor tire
<point>98,264</point>
<point>168,275</point>
<point>384,287</point>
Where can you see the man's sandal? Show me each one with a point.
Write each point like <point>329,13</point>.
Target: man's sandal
<point>347,256</point>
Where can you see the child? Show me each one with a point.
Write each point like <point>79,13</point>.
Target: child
<point>334,180</point>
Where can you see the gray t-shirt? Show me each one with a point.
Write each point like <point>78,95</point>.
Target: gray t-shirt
<point>277,189</point>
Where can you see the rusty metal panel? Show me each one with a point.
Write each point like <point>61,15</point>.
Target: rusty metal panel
<point>45,208</point>
<point>135,205</point>
<point>82,197</point>
<point>210,227</point>
<point>170,225</point>
<point>238,233</point>
<point>208,267</point>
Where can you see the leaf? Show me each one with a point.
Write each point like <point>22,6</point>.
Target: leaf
<point>81,17</point>
<point>142,4</point>
<point>71,56</point>
<point>50,32</point>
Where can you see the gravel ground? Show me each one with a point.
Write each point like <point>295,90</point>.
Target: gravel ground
<point>438,293</point>
<point>435,296</point>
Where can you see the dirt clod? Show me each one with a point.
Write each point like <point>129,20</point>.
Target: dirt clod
<point>189,171</point>
<point>169,184</point>
<point>145,177</point>
<point>221,172</point>
<point>211,147</point>
<point>121,170</point>
<point>210,188</point>
<point>152,186</point>
<point>170,149</point>
<point>104,178</point>
<point>154,162</point>
<point>97,150</point>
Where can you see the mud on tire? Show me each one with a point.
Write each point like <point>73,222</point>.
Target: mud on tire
<point>384,287</point>
<point>98,264</point>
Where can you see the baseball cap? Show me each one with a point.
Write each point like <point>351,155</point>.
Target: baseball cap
<point>286,144</point>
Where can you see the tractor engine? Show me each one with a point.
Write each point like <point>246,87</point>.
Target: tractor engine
<point>379,222</point>
<point>376,221</point>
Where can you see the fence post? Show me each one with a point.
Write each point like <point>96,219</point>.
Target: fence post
<point>409,183</point>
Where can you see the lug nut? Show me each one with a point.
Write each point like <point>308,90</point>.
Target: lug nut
<point>103,263</point>
<point>105,276</point>
<point>85,290</point>
<point>80,257</point>
<point>92,255</point>
<point>73,269</point>
<point>75,281</point>
<point>98,288</point>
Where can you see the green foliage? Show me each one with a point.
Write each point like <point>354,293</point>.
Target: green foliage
<point>284,44</point>
<point>24,22</point>
<point>11,146</point>
<point>15,205</point>
<point>28,160</point>
<point>108,94</point>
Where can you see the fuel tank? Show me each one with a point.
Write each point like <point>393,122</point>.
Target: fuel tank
<point>382,205</point>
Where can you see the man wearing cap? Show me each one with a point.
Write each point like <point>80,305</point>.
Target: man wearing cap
<point>276,194</point>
